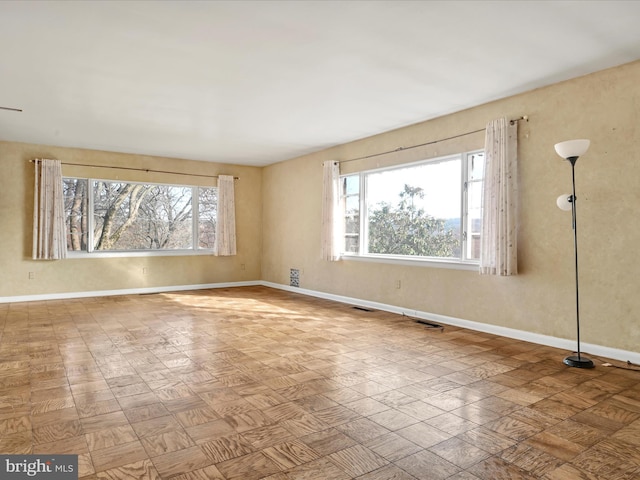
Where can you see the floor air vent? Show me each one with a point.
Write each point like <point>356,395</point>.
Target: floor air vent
<point>363,309</point>
<point>429,324</point>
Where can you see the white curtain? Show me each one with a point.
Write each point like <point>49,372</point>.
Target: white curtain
<point>226,221</point>
<point>499,252</point>
<point>49,242</point>
<point>331,222</point>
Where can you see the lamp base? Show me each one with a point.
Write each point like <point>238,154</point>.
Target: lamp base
<point>578,362</point>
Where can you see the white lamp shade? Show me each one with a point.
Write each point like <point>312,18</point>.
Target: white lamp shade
<point>572,148</point>
<point>564,202</point>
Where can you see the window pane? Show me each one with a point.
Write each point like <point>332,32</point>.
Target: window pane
<point>207,214</point>
<point>415,210</point>
<point>352,185</point>
<point>351,205</point>
<point>476,166</point>
<point>474,205</point>
<point>76,205</point>
<point>131,216</point>
<point>352,225</point>
<point>474,220</point>
<point>351,244</point>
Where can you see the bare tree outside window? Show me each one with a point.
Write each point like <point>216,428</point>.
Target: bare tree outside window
<point>207,214</point>
<point>164,219</point>
<point>115,210</point>
<point>76,209</point>
<point>133,216</point>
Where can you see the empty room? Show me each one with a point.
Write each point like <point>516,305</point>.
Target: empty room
<point>322,240</point>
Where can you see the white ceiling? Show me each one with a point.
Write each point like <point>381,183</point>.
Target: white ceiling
<point>257,82</point>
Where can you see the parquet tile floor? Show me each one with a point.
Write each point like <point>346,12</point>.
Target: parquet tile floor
<point>249,383</point>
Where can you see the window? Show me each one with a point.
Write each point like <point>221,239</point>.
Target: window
<point>429,210</point>
<point>114,216</point>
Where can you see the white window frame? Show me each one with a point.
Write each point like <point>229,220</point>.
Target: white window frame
<point>91,253</point>
<point>463,263</point>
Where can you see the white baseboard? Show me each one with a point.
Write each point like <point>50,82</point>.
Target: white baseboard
<point>565,344</point>
<point>562,343</point>
<point>126,291</point>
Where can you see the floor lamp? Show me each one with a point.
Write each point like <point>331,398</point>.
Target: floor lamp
<point>571,150</point>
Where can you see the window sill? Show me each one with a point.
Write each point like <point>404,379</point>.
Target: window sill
<point>133,253</point>
<point>414,262</point>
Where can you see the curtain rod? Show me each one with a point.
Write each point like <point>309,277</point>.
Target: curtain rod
<point>148,170</point>
<point>400,149</point>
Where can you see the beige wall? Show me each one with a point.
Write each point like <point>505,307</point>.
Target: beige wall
<point>604,107</point>
<point>86,275</point>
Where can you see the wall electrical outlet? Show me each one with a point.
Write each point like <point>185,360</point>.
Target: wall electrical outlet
<point>32,275</point>
<point>398,284</point>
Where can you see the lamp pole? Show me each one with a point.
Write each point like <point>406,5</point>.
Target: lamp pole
<point>570,151</point>
<point>577,360</point>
